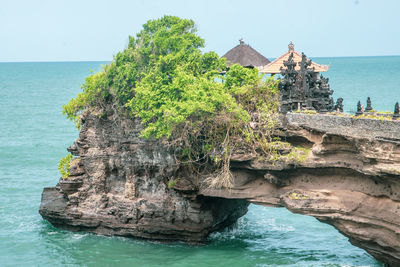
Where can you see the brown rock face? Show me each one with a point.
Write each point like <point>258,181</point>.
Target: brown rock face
<point>349,178</point>
<point>119,186</point>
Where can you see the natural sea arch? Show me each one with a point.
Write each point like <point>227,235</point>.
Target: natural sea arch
<point>348,180</point>
<point>350,201</point>
<point>277,236</point>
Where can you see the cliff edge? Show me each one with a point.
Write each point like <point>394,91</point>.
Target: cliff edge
<point>347,175</point>
<point>118,185</point>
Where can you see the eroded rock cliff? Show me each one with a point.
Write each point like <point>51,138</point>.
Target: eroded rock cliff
<point>348,177</point>
<point>118,185</point>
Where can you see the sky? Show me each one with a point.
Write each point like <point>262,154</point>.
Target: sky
<point>95,30</point>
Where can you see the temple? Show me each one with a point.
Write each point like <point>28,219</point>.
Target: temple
<point>275,66</point>
<point>246,56</point>
<point>301,85</point>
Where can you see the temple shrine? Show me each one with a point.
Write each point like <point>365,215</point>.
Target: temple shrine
<point>246,56</point>
<point>301,85</point>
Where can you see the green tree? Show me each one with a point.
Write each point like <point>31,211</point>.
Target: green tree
<point>183,94</point>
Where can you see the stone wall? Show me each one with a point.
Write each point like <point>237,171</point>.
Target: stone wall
<point>350,126</point>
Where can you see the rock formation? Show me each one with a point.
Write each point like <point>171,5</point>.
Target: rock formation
<point>350,179</point>
<point>121,184</point>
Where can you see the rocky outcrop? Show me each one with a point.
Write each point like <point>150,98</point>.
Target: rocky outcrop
<point>121,184</point>
<point>118,185</point>
<point>349,179</point>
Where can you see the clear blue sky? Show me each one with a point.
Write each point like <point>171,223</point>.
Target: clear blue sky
<point>69,30</point>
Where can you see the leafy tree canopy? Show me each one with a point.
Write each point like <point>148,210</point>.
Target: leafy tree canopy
<point>179,92</point>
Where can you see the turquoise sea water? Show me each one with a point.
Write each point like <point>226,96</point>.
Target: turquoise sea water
<point>34,136</point>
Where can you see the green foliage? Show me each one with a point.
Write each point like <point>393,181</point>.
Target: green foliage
<point>64,165</point>
<point>298,155</point>
<point>163,43</point>
<point>238,79</point>
<point>94,94</point>
<point>180,93</point>
<point>172,183</point>
<point>298,196</point>
<point>307,111</point>
<point>374,116</point>
<point>74,108</point>
<point>164,105</point>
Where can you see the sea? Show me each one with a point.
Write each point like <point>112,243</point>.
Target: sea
<point>34,136</point>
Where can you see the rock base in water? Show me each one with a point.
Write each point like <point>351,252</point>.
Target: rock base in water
<point>124,185</point>
<point>119,186</point>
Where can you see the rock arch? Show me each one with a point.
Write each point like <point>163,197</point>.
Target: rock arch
<point>350,178</point>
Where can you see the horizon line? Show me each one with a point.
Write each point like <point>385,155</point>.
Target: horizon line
<point>76,61</point>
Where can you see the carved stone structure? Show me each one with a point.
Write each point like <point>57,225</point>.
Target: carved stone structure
<point>303,87</point>
<point>369,107</point>
<point>359,109</point>
<point>339,105</point>
<point>396,113</point>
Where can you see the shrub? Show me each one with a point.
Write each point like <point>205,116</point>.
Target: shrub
<point>180,94</point>
<point>172,183</point>
<point>64,165</point>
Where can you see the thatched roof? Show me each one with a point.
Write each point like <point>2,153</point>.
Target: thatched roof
<point>246,56</point>
<point>275,66</point>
